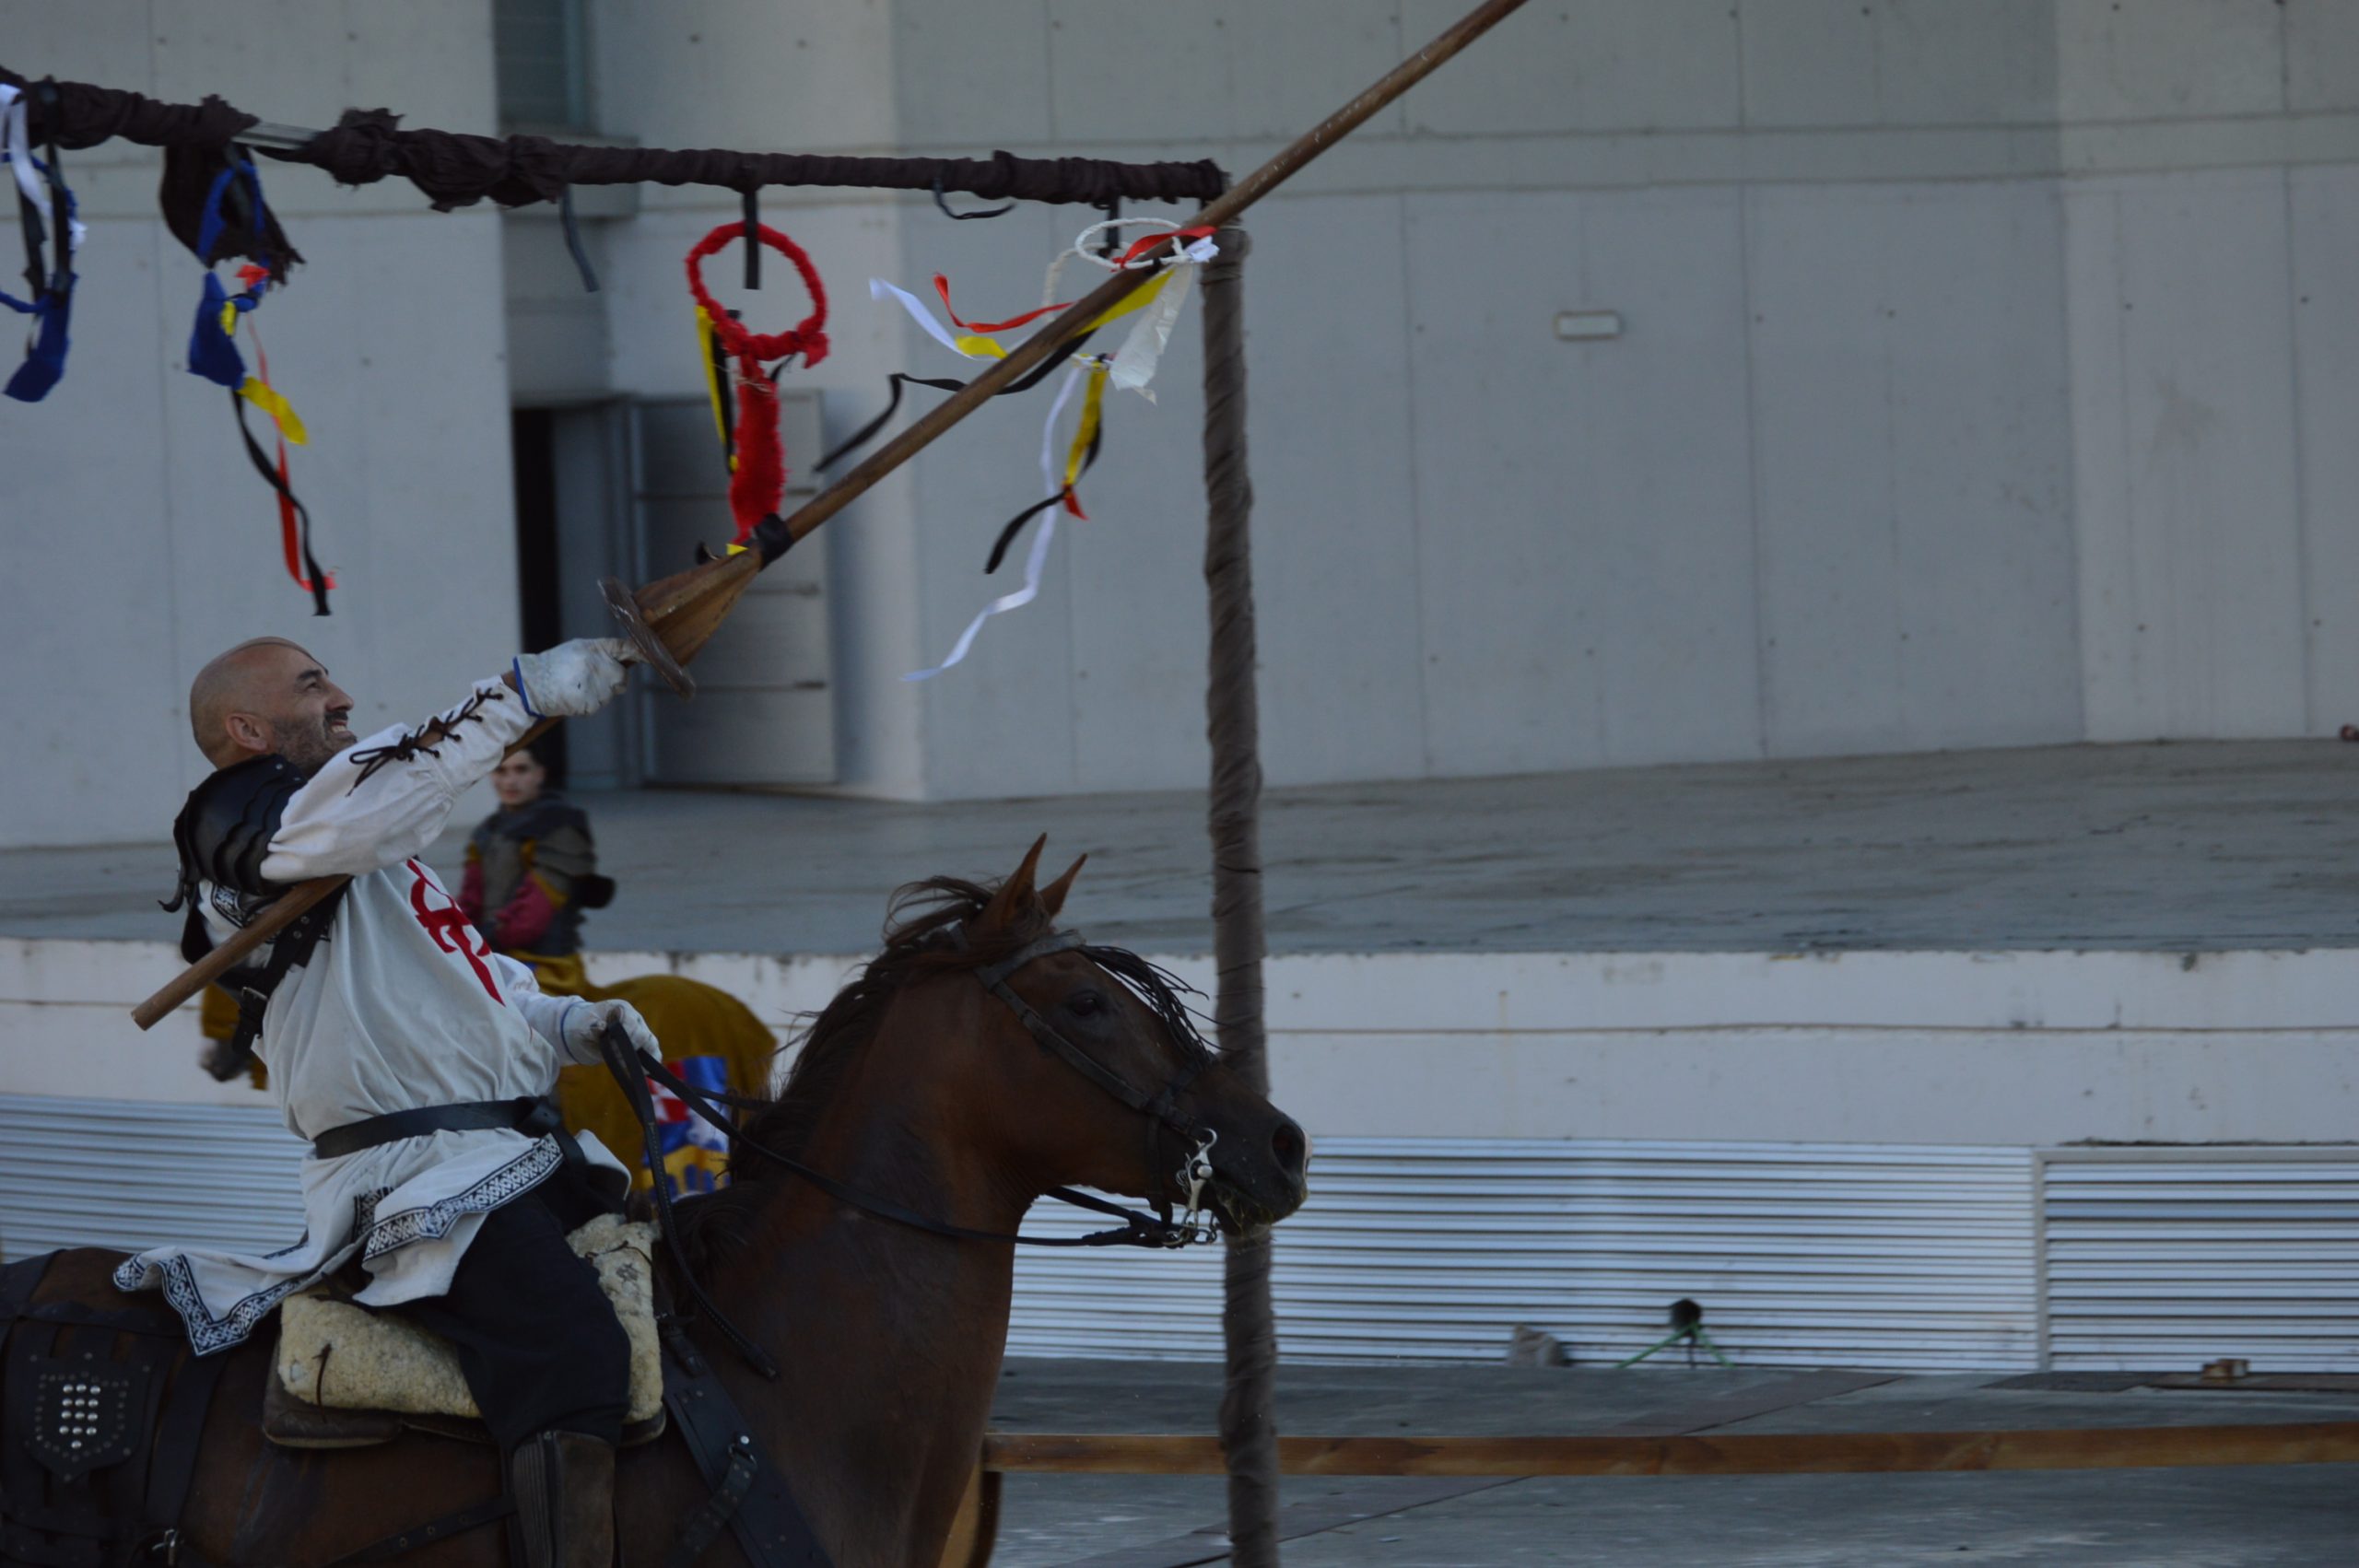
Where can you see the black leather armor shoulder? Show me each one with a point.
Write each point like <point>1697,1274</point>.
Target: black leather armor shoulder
<point>225,830</point>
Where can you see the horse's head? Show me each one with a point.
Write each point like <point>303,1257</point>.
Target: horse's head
<point>1087,1070</point>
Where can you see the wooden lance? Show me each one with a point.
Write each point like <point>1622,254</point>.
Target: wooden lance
<point>669,621</point>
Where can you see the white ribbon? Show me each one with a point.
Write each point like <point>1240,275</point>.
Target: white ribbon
<point>1052,478</point>
<point>878,288</point>
<point>17,150</point>
<point>1134,362</point>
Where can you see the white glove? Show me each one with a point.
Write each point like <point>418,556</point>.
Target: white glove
<point>585,1024</point>
<point>573,678</point>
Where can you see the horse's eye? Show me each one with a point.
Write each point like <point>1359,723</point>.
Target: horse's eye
<point>1086,1004</point>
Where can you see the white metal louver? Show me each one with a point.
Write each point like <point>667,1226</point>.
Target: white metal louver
<point>1861,1255</point>
<point>2161,1259</point>
<point>129,1175</point>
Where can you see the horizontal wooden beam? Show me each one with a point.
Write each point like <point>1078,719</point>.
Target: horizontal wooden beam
<point>1814,1453</point>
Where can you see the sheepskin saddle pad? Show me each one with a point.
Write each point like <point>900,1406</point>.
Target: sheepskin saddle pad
<point>344,1376</point>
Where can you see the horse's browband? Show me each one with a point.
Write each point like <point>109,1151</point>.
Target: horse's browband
<point>1162,1104</point>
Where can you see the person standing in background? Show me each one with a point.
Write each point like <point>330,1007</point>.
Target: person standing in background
<point>532,873</point>
<point>532,869</point>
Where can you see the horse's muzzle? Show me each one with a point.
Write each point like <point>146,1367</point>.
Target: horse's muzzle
<point>1257,1181</point>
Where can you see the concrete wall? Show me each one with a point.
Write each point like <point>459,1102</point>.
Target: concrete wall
<point>1983,380</point>
<point>1977,384</point>
<point>2003,1049</point>
<point>139,542</point>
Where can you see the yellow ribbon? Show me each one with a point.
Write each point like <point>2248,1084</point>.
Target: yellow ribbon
<point>1093,402</point>
<point>713,382</point>
<point>1134,301</point>
<point>271,401</point>
<point>975,345</point>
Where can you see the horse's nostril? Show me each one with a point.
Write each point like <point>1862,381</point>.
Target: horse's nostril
<point>1289,1145</point>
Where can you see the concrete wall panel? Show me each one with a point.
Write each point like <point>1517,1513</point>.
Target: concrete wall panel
<point>1982,443</point>
<point>1287,67</point>
<point>2325,237</point>
<point>1663,509</point>
<point>98,703</point>
<point>1133,71</point>
<point>1587,65</point>
<point>2168,59</point>
<point>796,78</point>
<point>970,73</point>
<point>2321,56</point>
<point>1822,386</point>
<point>1581,505</point>
<point>1942,63</point>
<point>2191,589</point>
<point>1809,62</point>
<point>1913,464</point>
<point>100,41</point>
<point>1335,516</point>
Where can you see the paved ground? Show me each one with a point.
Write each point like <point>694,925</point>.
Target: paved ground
<point>2249,844</point>
<point>2293,1517</point>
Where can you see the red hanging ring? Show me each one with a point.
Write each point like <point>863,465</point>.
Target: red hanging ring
<point>809,339</point>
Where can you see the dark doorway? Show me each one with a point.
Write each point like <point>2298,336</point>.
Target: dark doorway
<point>532,440</point>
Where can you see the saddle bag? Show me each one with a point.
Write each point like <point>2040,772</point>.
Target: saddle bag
<point>100,1414</point>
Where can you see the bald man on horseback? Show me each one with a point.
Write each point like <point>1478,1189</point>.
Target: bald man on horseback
<point>416,1061</point>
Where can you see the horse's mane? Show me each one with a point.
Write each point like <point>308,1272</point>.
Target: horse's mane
<point>927,932</point>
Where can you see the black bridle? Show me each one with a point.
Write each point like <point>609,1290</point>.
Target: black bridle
<point>632,1066</point>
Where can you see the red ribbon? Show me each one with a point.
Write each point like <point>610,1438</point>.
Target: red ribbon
<point>808,339</point>
<point>942,286</point>
<point>291,536</point>
<point>1146,242</point>
<point>757,483</point>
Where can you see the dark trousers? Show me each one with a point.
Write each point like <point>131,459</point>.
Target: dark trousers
<point>535,1336</point>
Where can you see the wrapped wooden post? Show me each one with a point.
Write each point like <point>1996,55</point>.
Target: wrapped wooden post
<point>1248,1424</point>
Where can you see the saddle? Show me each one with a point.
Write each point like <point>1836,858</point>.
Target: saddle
<point>102,1410</point>
<point>344,1377</point>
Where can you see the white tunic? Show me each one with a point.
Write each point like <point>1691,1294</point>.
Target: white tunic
<point>401,1005</point>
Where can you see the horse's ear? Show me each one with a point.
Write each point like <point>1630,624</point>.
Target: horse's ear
<point>1052,897</point>
<point>1008,902</point>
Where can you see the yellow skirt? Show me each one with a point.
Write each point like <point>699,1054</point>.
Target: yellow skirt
<point>690,1018</point>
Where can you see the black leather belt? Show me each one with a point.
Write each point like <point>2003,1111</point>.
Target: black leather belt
<point>534,1115</point>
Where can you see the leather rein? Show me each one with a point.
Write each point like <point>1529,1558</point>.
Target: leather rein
<point>632,1066</point>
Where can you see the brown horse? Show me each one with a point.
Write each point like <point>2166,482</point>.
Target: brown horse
<point>916,1086</point>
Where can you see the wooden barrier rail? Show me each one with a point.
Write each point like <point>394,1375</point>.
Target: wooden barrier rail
<point>1768,1453</point>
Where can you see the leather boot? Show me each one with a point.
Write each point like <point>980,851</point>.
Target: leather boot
<point>564,1499</point>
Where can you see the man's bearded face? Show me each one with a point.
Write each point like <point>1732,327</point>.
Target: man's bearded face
<point>311,723</point>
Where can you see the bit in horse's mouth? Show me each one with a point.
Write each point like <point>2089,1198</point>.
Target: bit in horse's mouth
<point>1236,1212</point>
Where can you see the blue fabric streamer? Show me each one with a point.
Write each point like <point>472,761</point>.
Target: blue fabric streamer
<point>212,353</point>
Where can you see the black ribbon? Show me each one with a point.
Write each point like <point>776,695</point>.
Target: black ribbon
<point>1015,524</point>
<point>900,379</point>
<point>944,203</point>
<point>269,473</point>
<point>753,244</point>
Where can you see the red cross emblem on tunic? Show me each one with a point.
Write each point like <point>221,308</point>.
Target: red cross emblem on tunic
<point>451,929</point>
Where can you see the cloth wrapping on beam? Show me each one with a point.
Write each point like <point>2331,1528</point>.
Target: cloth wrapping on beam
<point>89,114</point>
<point>456,170</point>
